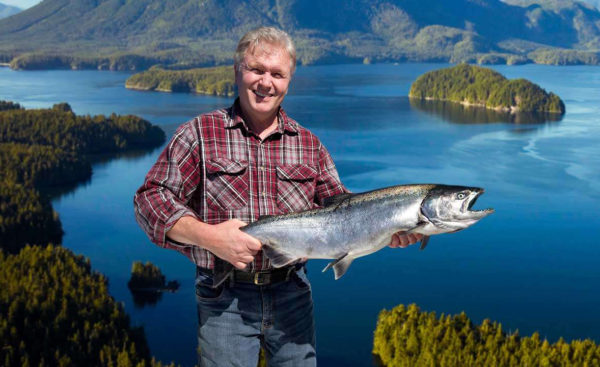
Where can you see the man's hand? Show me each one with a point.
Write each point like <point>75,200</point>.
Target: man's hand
<point>403,239</point>
<point>236,247</point>
<point>224,239</point>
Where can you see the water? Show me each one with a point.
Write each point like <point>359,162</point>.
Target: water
<point>533,265</point>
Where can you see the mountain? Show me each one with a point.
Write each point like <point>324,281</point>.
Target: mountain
<point>185,33</point>
<point>7,10</point>
<point>595,3</point>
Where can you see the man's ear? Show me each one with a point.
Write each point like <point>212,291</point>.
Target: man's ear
<point>236,73</point>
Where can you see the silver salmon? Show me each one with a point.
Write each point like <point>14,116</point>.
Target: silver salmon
<point>354,225</point>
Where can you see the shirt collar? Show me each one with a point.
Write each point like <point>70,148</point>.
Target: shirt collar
<point>236,119</point>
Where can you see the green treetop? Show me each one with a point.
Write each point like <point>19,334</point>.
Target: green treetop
<point>407,336</point>
<point>476,85</point>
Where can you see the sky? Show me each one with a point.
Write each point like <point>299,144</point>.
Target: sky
<point>23,4</point>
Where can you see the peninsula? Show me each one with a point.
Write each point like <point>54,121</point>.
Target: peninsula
<point>217,80</point>
<point>43,148</point>
<point>483,87</point>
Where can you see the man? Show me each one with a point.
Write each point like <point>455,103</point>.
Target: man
<point>224,169</point>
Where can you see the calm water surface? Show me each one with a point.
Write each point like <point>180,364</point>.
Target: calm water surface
<point>533,265</point>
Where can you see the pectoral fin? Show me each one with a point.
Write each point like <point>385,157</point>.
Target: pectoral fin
<point>334,262</point>
<point>340,266</point>
<point>424,242</point>
<point>278,257</point>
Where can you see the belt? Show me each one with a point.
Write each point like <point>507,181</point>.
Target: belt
<point>264,277</point>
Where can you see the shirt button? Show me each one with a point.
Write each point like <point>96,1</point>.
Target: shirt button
<point>262,168</point>
<point>264,194</point>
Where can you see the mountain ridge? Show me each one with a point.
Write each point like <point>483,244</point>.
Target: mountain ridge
<point>8,10</point>
<point>186,33</point>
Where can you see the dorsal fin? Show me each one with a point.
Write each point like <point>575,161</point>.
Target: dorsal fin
<point>260,217</point>
<point>336,199</point>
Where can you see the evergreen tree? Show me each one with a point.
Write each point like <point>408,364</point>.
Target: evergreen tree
<point>407,336</point>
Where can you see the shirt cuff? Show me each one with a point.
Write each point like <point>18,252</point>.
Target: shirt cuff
<point>160,233</point>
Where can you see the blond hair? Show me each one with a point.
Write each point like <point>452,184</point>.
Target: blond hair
<point>254,38</point>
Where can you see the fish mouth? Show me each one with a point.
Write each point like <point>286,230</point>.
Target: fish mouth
<point>478,213</point>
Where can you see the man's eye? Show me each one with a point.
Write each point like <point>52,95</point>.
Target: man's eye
<point>257,71</point>
<point>278,76</point>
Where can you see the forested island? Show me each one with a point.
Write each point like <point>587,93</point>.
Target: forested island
<point>54,310</point>
<point>218,81</point>
<point>407,336</point>
<point>483,87</point>
<point>147,283</point>
<point>149,278</point>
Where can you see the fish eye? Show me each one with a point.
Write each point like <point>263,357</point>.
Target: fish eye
<point>461,195</point>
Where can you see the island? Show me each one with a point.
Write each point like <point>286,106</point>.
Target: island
<point>218,81</point>
<point>148,278</point>
<point>147,283</point>
<point>478,86</point>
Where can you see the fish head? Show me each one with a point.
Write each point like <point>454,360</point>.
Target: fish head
<point>449,208</point>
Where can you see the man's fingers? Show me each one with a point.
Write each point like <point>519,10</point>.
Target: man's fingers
<point>246,258</point>
<point>240,265</point>
<point>415,237</point>
<point>253,244</point>
<point>403,239</point>
<point>238,222</point>
<point>395,241</point>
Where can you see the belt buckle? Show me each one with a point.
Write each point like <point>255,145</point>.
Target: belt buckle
<point>262,278</point>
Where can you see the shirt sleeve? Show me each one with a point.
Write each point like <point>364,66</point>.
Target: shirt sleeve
<point>162,199</point>
<point>328,181</point>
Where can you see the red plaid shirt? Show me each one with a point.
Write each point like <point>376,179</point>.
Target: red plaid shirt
<point>215,169</point>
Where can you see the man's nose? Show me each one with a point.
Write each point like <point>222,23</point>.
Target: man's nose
<point>266,80</point>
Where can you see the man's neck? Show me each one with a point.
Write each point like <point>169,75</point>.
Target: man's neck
<point>262,127</point>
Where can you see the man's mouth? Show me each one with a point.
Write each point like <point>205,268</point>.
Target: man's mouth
<point>262,94</point>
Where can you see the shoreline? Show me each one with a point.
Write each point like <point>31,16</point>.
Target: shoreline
<point>511,109</point>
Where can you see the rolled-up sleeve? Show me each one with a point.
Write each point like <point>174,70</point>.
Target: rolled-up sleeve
<point>163,197</point>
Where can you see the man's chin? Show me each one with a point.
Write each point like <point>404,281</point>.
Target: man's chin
<point>264,106</point>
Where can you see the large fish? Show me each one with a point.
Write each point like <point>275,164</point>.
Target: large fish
<point>355,225</point>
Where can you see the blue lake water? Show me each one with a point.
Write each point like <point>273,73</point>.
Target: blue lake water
<point>533,265</point>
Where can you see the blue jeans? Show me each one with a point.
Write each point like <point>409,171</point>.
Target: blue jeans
<point>237,319</point>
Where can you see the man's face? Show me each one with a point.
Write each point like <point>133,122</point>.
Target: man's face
<point>262,79</point>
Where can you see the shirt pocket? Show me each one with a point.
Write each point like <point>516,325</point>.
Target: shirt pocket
<point>295,187</point>
<point>226,184</point>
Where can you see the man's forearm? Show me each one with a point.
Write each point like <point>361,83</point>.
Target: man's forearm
<point>192,231</point>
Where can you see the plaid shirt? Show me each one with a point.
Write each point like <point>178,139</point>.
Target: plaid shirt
<point>215,169</point>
